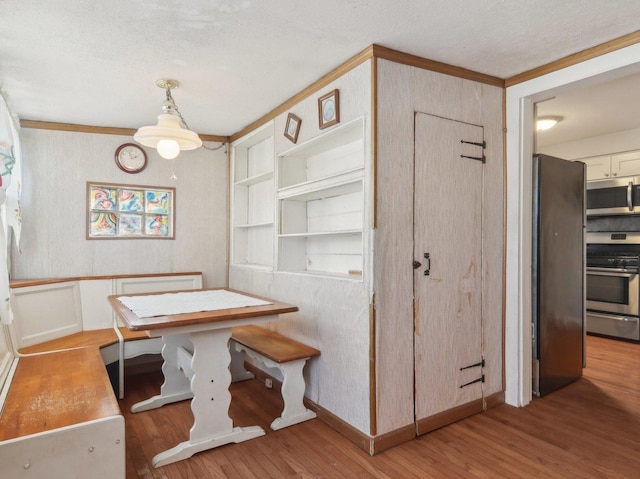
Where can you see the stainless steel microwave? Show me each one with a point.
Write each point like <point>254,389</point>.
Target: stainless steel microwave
<point>614,197</point>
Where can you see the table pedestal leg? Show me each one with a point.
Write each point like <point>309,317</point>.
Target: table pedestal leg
<point>176,385</point>
<point>212,426</point>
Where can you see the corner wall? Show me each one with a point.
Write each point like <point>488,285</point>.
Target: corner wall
<point>401,91</point>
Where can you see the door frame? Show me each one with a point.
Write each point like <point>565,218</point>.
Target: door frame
<point>519,104</point>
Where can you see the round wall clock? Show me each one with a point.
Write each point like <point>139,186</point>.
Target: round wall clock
<point>131,158</point>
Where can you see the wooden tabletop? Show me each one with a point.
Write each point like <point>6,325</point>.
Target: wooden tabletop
<point>135,323</point>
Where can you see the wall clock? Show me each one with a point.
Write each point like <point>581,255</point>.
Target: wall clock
<point>131,158</point>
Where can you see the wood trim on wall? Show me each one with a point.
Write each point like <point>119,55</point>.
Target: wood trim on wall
<point>504,237</point>
<point>333,75</point>
<point>419,62</point>
<point>103,130</point>
<point>392,439</point>
<point>450,416</point>
<point>373,387</point>
<point>373,51</point>
<point>375,445</point>
<point>23,283</point>
<point>374,143</point>
<point>584,55</point>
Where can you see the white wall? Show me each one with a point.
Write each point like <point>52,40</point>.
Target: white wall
<point>56,167</point>
<point>595,146</point>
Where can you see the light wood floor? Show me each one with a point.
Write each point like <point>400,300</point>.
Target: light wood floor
<point>590,429</point>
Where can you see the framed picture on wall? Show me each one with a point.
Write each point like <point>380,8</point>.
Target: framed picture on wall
<point>329,109</point>
<point>292,128</point>
<point>117,211</point>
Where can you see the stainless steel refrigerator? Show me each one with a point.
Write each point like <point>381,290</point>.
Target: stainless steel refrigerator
<point>558,272</point>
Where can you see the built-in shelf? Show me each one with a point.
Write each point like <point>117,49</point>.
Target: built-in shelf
<point>252,180</point>
<point>321,204</point>
<point>254,225</point>
<point>252,196</point>
<point>339,151</point>
<point>321,233</point>
<point>335,185</point>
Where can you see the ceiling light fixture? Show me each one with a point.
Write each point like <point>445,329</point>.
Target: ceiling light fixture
<point>546,122</point>
<point>168,136</point>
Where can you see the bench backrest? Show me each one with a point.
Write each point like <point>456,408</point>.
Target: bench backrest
<point>49,310</point>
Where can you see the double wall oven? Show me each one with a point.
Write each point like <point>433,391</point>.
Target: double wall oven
<point>613,284</point>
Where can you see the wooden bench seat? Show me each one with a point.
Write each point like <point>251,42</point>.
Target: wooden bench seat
<point>61,418</point>
<point>275,351</point>
<point>99,338</point>
<point>129,347</point>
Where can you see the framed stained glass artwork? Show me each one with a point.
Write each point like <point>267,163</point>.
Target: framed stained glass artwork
<point>130,211</point>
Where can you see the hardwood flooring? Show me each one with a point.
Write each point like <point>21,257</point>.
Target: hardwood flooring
<point>589,429</point>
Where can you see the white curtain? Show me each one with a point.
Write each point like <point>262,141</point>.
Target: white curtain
<point>10,209</point>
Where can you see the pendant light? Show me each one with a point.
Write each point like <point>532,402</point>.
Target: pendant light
<point>168,136</point>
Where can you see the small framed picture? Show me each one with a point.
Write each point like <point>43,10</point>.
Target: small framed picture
<point>292,128</point>
<point>329,109</point>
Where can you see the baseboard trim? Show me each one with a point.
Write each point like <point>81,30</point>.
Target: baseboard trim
<point>455,414</point>
<point>494,400</point>
<point>378,444</point>
<point>392,439</point>
<point>360,439</point>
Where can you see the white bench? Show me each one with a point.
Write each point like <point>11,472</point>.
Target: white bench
<point>60,418</point>
<point>274,351</point>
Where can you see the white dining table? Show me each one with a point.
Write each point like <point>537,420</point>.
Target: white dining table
<point>195,327</point>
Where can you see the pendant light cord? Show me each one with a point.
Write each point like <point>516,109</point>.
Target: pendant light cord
<point>172,107</point>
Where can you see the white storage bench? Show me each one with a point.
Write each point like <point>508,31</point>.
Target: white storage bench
<point>60,418</point>
<point>274,351</point>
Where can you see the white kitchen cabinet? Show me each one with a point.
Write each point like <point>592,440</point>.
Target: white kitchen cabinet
<point>612,166</point>
<point>598,167</point>
<point>625,164</point>
<point>252,199</point>
<point>321,204</point>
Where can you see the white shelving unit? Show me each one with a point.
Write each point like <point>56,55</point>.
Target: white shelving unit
<point>321,204</point>
<point>252,216</point>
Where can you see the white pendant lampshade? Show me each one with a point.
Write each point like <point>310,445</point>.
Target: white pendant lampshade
<point>168,136</point>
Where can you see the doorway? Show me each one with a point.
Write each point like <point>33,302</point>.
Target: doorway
<point>520,99</point>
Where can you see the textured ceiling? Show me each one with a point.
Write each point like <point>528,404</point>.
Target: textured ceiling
<point>591,111</point>
<point>96,62</point>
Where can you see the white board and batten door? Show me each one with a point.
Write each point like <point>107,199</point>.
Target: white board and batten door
<point>448,204</point>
